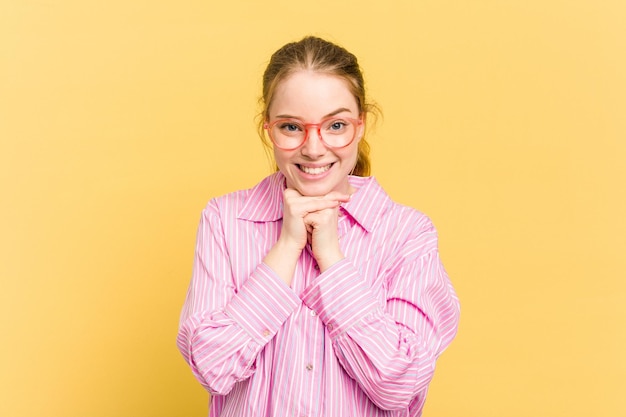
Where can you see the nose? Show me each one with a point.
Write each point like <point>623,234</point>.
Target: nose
<point>313,146</point>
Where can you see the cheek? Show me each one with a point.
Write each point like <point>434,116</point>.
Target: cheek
<point>278,155</point>
<point>281,157</point>
<point>350,155</point>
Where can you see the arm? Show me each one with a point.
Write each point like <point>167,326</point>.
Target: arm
<point>223,328</point>
<point>389,349</point>
<point>298,209</point>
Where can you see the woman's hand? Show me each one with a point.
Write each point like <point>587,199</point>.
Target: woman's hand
<point>306,218</point>
<point>303,214</point>
<point>321,228</point>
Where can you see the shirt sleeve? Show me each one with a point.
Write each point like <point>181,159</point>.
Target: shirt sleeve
<point>390,348</point>
<point>223,329</point>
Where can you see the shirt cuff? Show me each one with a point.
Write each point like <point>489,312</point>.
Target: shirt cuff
<point>262,304</point>
<point>340,297</point>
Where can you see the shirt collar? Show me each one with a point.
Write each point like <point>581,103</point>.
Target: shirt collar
<point>264,202</point>
<point>368,203</point>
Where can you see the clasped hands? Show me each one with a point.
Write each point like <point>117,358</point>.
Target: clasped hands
<point>310,219</point>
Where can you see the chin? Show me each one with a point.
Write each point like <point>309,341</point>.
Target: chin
<point>312,187</point>
<point>313,191</point>
<point>316,190</point>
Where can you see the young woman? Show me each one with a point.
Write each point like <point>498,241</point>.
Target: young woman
<point>313,293</point>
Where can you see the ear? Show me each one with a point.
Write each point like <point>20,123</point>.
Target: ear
<point>361,131</point>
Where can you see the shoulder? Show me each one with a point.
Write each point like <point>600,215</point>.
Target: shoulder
<point>261,200</point>
<point>375,203</point>
<point>410,218</point>
<point>410,228</point>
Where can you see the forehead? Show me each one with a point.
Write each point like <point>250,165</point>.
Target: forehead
<point>310,94</point>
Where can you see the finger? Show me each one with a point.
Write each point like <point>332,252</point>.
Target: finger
<point>337,196</point>
<point>322,218</point>
<point>314,205</point>
<point>290,192</point>
<point>305,205</point>
<point>333,195</point>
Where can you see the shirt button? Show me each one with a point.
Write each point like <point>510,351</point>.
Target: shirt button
<point>313,313</point>
<point>329,326</point>
<point>309,367</point>
<point>317,267</point>
<point>266,333</point>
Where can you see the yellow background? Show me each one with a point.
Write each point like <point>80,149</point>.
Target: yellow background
<point>505,121</point>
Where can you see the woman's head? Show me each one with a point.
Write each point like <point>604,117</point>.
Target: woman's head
<point>317,55</point>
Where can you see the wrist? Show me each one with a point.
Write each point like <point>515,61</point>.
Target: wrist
<point>327,260</point>
<point>282,258</point>
<point>288,248</point>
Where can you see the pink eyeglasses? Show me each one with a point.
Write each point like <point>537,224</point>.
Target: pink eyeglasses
<point>335,132</point>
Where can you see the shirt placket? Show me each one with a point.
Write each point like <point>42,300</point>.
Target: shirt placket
<point>311,342</point>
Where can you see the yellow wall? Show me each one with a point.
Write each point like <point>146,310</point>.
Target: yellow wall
<point>505,121</point>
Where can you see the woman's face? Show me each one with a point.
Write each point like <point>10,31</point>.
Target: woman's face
<point>313,169</point>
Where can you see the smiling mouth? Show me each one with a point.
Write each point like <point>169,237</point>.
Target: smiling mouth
<point>314,171</point>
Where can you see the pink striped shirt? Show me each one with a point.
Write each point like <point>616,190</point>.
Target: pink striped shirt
<point>360,339</point>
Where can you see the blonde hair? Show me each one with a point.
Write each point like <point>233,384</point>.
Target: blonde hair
<point>316,54</point>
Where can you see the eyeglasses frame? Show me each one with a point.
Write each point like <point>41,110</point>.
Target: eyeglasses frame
<point>308,126</point>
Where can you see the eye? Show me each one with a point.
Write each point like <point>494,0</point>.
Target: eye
<point>289,127</point>
<point>337,125</point>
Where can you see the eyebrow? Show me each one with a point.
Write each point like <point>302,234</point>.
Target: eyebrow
<point>333,113</point>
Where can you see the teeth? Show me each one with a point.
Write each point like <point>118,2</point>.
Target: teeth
<point>315,171</point>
